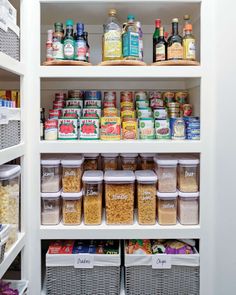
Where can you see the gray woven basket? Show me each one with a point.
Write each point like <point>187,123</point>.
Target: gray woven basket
<point>179,280</point>
<point>67,280</point>
<point>10,43</point>
<point>2,252</point>
<point>10,134</point>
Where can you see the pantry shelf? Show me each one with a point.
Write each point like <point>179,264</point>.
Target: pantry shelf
<point>12,253</point>
<point>12,153</point>
<point>11,65</point>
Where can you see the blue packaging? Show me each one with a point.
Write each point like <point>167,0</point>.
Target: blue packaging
<point>177,128</point>
<point>93,94</point>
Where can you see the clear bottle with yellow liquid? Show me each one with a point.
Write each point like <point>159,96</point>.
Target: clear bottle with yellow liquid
<point>112,38</point>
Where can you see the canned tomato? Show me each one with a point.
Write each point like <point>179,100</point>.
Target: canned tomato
<point>187,110</point>
<point>92,112</point>
<point>168,97</point>
<point>76,94</point>
<point>144,113</point>
<point>93,94</point>
<point>58,104</point>
<point>140,95</point>
<point>71,112</point>
<point>55,114</point>
<point>92,103</point>
<point>74,103</point>
<point>181,97</point>
<point>126,96</point>
<point>67,128</point>
<point>177,127</point>
<point>50,129</point>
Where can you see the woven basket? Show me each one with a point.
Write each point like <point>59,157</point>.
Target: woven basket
<point>10,43</point>
<point>3,241</point>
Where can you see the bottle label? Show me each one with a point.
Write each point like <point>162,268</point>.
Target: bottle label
<point>175,51</point>
<point>57,49</point>
<point>131,44</point>
<point>160,52</point>
<point>69,49</point>
<point>189,49</point>
<point>112,44</point>
<point>81,50</point>
<point>41,129</point>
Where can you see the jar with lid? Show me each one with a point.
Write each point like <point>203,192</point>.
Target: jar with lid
<point>188,175</point>
<point>50,175</point>
<point>50,208</point>
<point>167,208</point>
<point>91,161</point>
<point>71,208</point>
<point>147,161</point>
<point>110,161</point>
<point>129,161</point>
<point>146,194</point>
<point>188,206</point>
<point>92,189</point>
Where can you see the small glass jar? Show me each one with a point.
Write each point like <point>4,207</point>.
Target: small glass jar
<point>92,189</point>
<point>110,161</point>
<point>91,162</point>
<point>129,161</point>
<point>50,208</point>
<point>147,161</point>
<point>188,208</point>
<point>71,208</point>
<point>50,175</point>
<point>188,175</point>
<point>167,208</point>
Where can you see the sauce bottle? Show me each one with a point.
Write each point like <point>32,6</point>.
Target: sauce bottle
<point>49,52</point>
<point>57,41</point>
<point>80,44</point>
<point>131,40</point>
<point>189,44</point>
<point>139,26</point>
<point>69,44</point>
<point>161,47</point>
<point>155,37</point>
<point>175,43</point>
<point>88,47</point>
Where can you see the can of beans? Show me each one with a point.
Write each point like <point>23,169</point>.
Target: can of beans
<point>168,97</point>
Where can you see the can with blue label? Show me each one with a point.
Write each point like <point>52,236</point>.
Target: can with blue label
<point>177,127</point>
<point>192,128</point>
<point>93,94</point>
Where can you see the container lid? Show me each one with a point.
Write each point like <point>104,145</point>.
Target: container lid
<point>119,176</point>
<point>51,195</point>
<point>167,195</point>
<point>188,161</point>
<point>129,155</point>
<point>6,171</point>
<point>147,155</point>
<point>73,160</point>
<point>91,156</point>
<point>145,176</point>
<point>110,155</point>
<point>188,195</point>
<point>165,160</point>
<point>93,175</point>
<point>50,160</point>
<point>72,196</point>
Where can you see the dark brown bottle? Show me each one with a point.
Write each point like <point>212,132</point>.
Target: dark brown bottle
<point>161,47</point>
<point>175,43</point>
<point>155,37</point>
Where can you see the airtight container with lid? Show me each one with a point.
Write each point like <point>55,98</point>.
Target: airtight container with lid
<point>146,193</point>
<point>110,161</point>
<point>72,170</point>
<point>92,190</point>
<point>71,208</point>
<point>129,161</point>
<point>119,196</point>
<point>147,161</point>
<point>50,208</point>
<point>166,168</point>
<point>188,206</point>
<point>167,208</point>
<point>50,175</point>
<point>188,176</point>
<point>91,161</point>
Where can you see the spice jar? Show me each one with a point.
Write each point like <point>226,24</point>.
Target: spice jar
<point>110,161</point>
<point>129,161</point>
<point>50,208</point>
<point>167,208</point>
<point>188,175</point>
<point>91,162</point>
<point>147,161</point>
<point>71,208</point>
<point>146,193</point>
<point>92,188</point>
<point>188,204</point>
<point>50,175</point>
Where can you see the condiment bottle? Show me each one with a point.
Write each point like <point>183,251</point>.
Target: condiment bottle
<point>57,41</point>
<point>186,22</point>
<point>155,37</point>
<point>80,44</point>
<point>161,47</point>
<point>49,52</point>
<point>175,43</point>
<point>42,121</point>
<point>88,47</point>
<point>139,26</point>
<point>69,44</point>
<point>189,44</point>
<point>131,40</point>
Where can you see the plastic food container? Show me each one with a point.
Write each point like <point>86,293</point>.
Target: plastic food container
<point>129,161</point>
<point>50,208</point>
<point>91,162</point>
<point>119,196</point>
<point>166,173</point>
<point>110,161</point>
<point>167,208</point>
<point>71,208</point>
<point>50,175</point>
<point>188,206</point>
<point>188,175</point>
<point>146,193</point>
<point>72,169</point>
<point>92,181</point>
<point>147,161</point>
<point>9,199</point>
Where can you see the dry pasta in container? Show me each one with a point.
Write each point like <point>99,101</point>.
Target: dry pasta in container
<point>188,208</point>
<point>71,208</point>
<point>129,161</point>
<point>146,194</point>
<point>50,175</point>
<point>92,189</point>
<point>91,161</point>
<point>167,208</point>
<point>50,208</point>
<point>110,161</point>
<point>119,196</point>
<point>188,175</point>
<point>147,161</point>
<point>72,170</point>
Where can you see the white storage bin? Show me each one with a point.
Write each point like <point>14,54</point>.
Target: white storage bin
<point>188,175</point>
<point>188,207</point>
<point>50,208</point>
<point>167,208</point>
<point>71,208</point>
<point>50,175</point>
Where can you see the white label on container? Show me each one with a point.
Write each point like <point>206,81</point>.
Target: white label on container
<point>119,197</point>
<point>84,261</point>
<point>161,261</point>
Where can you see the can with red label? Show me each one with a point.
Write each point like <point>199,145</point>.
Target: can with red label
<point>50,129</point>
<point>58,104</point>
<point>55,114</point>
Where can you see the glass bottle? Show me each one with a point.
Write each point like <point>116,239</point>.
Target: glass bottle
<point>112,40</point>
<point>57,41</point>
<point>69,43</point>
<point>49,49</point>
<point>175,43</point>
<point>80,43</point>
<point>186,22</point>
<point>155,37</point>
<point>131,40</point>
<point>189,44</point>
<point>139,26</point>
<point>161,47</point>
<point>42,121</point>
<point>88,47</point>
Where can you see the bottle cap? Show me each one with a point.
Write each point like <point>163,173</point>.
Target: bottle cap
<point>161,31</point>
<point>186,17</point>
<point>131,17</point>
<point>58,26</point>
<point>158,23</point>
<point>188,27</point>
<point>69,23</point>
<point>112,12</point>
<point>80,27</point>
<point>175,20</point>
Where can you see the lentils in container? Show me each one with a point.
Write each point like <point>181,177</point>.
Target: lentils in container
<point>50,175</point>
<point>71,208</point>
<point>188,208</point>
<point>129,161</point>
<point>50,208</point>
<point>167,208</point>
<point>188,176</point>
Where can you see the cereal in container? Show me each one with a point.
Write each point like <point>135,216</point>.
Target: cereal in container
<point>110,161</point>
<point>147,161</point>
<point>72,169</point>
<point>129,161</point>
<point>50,208</point>
<point>119,196</point>
<point>167,208</point>
<point>146,194</point>
<point>188,175</point>
<point>188,206</point>
<point>71,208</point>
<point>92,189</point>
<point>50,175</point>
<point>91,161</point>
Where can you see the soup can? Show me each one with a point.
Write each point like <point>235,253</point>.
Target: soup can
<point>177,127</point>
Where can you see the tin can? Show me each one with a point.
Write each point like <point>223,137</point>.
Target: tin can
<point>187,110</point>
<point>74,103</point>
<point>192,128</point>
<point>89,128</point>
<point>71,112</point>
<point>93,94</point>
<point>160,113</point>
<point>67,128</point>
<point>168,97</point>
<point>181,97</point>
<point>144,113</point>
<point>177,127</point>
<point>142,104</point>
<point>92,112</point>
<point>109,104</point>
<point>129,129</point>
<point>173,105</point>
<point>156,103</point>
<point>92,103</point>
<point>127,113</point>
<point>140,95</point>
<point>55,114</point>
<point>162,129</point>
<point>110,112</point>
<point>128,104</point>
<point>110,128</point>
<point>51,129</point>
<point>76,94</point>
<point>155,94</point>
<point>60,95</point>
<point>58,104</point>
<point>146,128</point>
<point>110,96</point>
<point>126,96</point>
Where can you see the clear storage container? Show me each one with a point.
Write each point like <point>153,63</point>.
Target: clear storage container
<point>9,199</point>
<point>92,188</point>
<point>50,175</point>
<point>50,208</point>
<point>146,193</point>
<point>147,161</point>
<point>166,169</point>
<point>110,161</point>
<point>188,176</point>
<point>71,208</point>
<point>129,162</point>
<point>72,170</point>
<point>119,196</point>
<point>188,206</point>
<point>167,208</point>
<point>91,162</point>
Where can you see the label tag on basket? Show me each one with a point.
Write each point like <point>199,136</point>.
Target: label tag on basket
<point>84,261</point>
<point>161,261</point>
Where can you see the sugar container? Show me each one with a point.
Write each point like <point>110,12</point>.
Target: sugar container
<point>50,175</point>
<point>188,206</point>
<point>50,208</point>
<point>188,176</point>
<point>167,208</point>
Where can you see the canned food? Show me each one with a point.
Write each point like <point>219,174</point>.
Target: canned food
<point>71,112</point>
<point>93,94</point>
<point>110,96</point>
<point>177,127</point>
<point>50,129</point>
<point>126,96</point>
<point>110,112</point>
<point>142,104</point>
<point>76,94</point>
<point>156,103</point>
<point>155,95</point>
<point>168,97</point>
<point>127,113</point>
<point>160,113</point>
<point>128,104</point>
<point>181,97</point>
<point>162,129</point>
<point>144,113</point>
<point>67,128</point>
<point>140,95</point>
<point>58,104</point>
<point>173,105</point>
<point>74,103</point>
<point>92,103</point>
<point>146,128</point>
<point>55,114</point>
<point>60,95</point>
<point>129,129</point>
<point>109,104</point>
<point>187,110</point>
<point>92,112</point>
